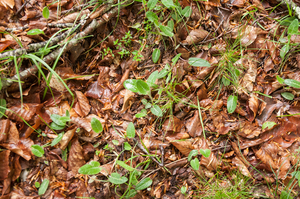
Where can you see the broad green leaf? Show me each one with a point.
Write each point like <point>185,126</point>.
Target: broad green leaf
<point>292,83</point>
<point>35,32</point>
<point>168,3</point>
<point>195,164</point>
<point>167,31</point>
<point>155,55</point>
<point>143,113</point>
<point>287,95</point>
<point>96,125</point>
<point>151,16</point>
<point>268,125</point>
<point>279,79</point>
<point>2,107</point>
<point>293,27</point>
<point>205,152</point>
<point>175,59</point>
<point>171,24</point>
<point>284,50</point>
<point>152,78</point>
<point>130,84</point>
<point>130,131</point>
<point>194,61</point>
<point>164,72</point>
<point>187,11</point>
<point>144,101</point>
<point>37,184</point>
<point>55,126</point>
<point>115,178</point>
<point>131,193</point>
<point>287,21</point>
<point>44,186</point>
<point>143,184</point>
<point>296,174</point>
<point>151,4</point>
<point>46,12</point>
<point>57,139</point>
<point>124,165</point>
<point>285,195</point>
<point>57,119</point>
<point>156,111</point>
<point>183,189</point>
<point>225,81</point>
<point>231,103</point>
<point>91,168</point>
<point>142,87</point>
<point>115,142</point>
<point>148,105</point>
<point>37,150</point>
<point>192,154</point>
<point>127,146</point>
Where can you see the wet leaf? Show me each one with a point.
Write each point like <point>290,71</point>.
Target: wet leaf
<point>130,131</point>
<point>156,111</point>
<point>130,84</point>
<point>292,83</point>
<point>96,125</point>
<point>37,150</point>
<point>195,164</point>
<point>143,184</point>
<point>155,55</point>
<point>44,186</point>
<point>231,103</point>
<point>194,61</point>
<point>287,95</point>
<point>268,125</point>
<point>142,87</point>
<point>35,32</point>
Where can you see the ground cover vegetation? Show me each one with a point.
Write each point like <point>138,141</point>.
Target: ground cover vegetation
<point>149,99</point>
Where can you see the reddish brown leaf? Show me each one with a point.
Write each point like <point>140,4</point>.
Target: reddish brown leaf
<point>76,158</point>
<point>172,124</point>
<point>4,129</point>
<point>240,165</point>
<point>4,164</point>
<point>196,36</point>
<point>26,112</point>
<point>66,138</point>
<point>193,125</point>
<point>83,107</point>
<point>253,105</point>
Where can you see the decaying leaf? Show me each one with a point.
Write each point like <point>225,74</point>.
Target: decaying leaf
<point>196,36</point>
<point>76,158</point>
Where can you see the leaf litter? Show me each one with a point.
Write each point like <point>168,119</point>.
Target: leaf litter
<point>225,88</point>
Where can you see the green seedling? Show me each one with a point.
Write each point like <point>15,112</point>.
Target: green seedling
<point>292,30</point>
<point>288,82</point>
<point>44,186</point>
<point>195,162</point>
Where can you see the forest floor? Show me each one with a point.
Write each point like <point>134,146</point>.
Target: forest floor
<point>149,99</point>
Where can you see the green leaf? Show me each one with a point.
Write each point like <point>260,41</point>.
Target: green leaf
<point>205,152</point>
<point>296,174</point>
<point>130,131</point>
<point>164,72</point>
<point>144,101</point>
<point>231,103</point>
<point>292,83</point>
<point>148,105</point>
<point>192,154</point>
<point>37,184</point>
<point>279,79</point>
<point>130,84</point>
<point>167,31</point>
<point>287,95</point>
<point>155,55</point>
<point>142,87</point>
<point>115,178</point>
<point>225,81</point>
<point>284,50</point>
<point>35,32</point>
<point>115,142</point>
<point>151,4</point>
<point>151,16</point>
<point>44,186</point>
<point>143,184</point>
<point>127,146</point>
<point>293,27</point>
<point>131,193</point>
<point>268,125</point>
<point>91,168</point>
<point>124,165</point>
<point>187,11</point>
<point>168,3</point>
<point>194,61</point>
<point>171,24</point>
<point>195,164</point>
<point>2,107</point>
<point>152,78</point>
<point>156,111</point>
<point>183,189</point>
<point>46,12</point>
<point>96,125</point>
<point>285,195</point>
<point>57,139</point>
<point>57,119</point>
<point>175,59</point>
<point>0,84</point>
<point>143,113</point>
<point>37,150</point>
<point>55,126</point>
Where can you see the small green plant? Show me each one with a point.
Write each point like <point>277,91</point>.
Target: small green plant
<point>195,162</point>
<point>268,125</point>
<point>44,186</point>
<point>288,82</point>
<point>59,122</point>
<point>292,30</point>
<point>107,51</point>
